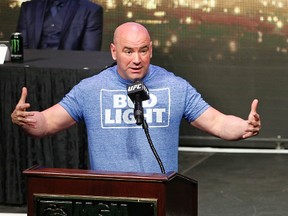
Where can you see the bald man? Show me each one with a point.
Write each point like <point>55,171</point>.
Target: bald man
<point>115,142</point>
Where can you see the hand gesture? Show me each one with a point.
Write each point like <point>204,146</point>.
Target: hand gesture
<point>254,122</point>
<point>20,116</point>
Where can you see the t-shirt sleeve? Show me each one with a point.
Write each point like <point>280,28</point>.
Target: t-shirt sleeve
<point>195,105</point>
<point>72,103</point>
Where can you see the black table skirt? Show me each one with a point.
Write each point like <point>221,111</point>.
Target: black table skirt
<point>48,75</point>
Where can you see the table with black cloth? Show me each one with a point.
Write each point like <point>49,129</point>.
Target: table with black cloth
<point>48,75</point>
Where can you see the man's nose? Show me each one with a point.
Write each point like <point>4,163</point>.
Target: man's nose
<point>136,58</point>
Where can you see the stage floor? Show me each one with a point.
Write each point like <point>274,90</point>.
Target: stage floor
<point>237,184</point>
<point>231,184</point>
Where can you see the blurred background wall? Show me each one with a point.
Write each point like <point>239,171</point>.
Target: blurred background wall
<point>232,51</point>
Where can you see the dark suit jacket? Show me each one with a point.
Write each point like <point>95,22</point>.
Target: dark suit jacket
<point>82,25</point>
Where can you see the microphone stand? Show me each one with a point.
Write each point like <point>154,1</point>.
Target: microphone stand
<point>140,120</point>
<point>145,127</point>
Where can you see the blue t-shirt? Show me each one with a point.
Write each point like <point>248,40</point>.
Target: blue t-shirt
<point>115,142</point>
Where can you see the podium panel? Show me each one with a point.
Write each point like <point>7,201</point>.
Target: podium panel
<point>53,191</point>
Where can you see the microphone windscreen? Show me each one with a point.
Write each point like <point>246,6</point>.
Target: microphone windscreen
<point>139,88</point>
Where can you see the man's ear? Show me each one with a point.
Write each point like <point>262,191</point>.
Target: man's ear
<point>113,51</point>
<point>151,48</point>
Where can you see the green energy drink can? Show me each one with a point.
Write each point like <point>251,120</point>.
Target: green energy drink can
<point>16,46</point>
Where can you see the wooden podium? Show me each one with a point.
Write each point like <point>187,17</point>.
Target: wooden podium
<point>53,191</point>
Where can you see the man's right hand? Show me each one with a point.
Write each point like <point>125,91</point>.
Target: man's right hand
<point>20,116</point>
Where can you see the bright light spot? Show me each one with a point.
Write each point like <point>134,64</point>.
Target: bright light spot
<point>275,19</point>
<point>174,38</point>
<point>279,24</point>
<point>188,20</point>
<point>156,43</point>
<point>265,3</point>
<point>260,37</point>
<point>237,10</point>
<point>111,4</point>
<point>130,14</point>
<point>233,46</point>
<point>14,4</point>
<point>159,13</point>
<point>151,5</point>
<point>168,43</point>
<point>269,19</point>
<point>213,3</point>
<point>280,4</point>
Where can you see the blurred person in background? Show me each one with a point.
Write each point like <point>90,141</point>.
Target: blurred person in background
<point>61,24</point>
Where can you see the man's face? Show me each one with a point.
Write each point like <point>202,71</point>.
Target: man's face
<point>132,52</point>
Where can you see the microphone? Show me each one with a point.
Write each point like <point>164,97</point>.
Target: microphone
<point>138,92</point>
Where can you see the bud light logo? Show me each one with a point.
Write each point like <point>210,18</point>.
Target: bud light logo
<point>117,109</point>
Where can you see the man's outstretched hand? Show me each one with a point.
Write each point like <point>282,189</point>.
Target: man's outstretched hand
<point>254,122</point>
<point>20,115</point>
